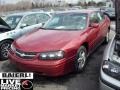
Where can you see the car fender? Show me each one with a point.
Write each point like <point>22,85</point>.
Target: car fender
<point>5,36</point>
<point>73,46</point>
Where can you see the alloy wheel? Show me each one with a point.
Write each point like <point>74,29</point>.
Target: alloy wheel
<point>81,59</point>
<point>4,49</point>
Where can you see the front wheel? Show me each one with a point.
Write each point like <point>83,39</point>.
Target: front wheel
<point>4,48</point>
<point>80,61</point>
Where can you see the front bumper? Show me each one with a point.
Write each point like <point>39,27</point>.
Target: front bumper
<point>104,86</point>
<point>47,68</point>
<point>108,83</point>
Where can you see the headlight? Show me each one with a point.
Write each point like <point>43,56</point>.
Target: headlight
<point>112,69</point>
<point>13,48</point>
<point>54,55</point>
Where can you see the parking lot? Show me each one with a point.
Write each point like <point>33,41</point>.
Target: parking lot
<point>87,80</point>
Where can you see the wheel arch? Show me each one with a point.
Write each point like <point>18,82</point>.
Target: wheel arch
<point>9,39</point>
<point>86,45</point>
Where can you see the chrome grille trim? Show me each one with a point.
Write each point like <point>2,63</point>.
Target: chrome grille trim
<point>25,55</point>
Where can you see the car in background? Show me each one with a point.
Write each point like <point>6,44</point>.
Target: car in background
<point>19,24</point>
<point>62,45</point>
<point>110,68</point>
<point>22,20</point>
<point>110,12</point>
<point>103,8</point>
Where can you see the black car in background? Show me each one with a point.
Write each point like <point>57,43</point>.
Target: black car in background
<point>110,12</point>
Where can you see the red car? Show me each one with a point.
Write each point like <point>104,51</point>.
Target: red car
<point>62,45</point>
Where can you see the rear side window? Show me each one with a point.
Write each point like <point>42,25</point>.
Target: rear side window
<point>42,18</point>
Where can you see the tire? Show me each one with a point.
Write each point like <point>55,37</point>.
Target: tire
<point>106,38</point>
<point>81,59</point>
<point>4,47</point>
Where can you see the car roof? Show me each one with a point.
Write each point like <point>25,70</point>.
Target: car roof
<point>26,13</point>
<point>87,11</point>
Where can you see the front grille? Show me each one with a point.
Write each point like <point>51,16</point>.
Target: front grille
<point>25,55</point>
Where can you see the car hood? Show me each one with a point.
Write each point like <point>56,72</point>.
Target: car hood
<point>45,40</point>
<point>3,23</point>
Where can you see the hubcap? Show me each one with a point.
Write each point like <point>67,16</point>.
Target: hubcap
<point>81,59</point>
<point>4,49</point>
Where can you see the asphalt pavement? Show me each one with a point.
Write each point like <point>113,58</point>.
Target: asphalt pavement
<point>86,80</point>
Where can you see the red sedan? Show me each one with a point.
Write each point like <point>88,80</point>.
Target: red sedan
<point>62,45</point>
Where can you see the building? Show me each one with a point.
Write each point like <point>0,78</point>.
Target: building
<point>74,1</point>
<point>110,3</point>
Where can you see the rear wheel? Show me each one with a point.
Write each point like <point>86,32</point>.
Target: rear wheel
<point>4,48</point>
<point>80,61</point>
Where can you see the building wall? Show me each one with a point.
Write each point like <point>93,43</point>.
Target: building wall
<point>110,3</point>
<point>72,1</point>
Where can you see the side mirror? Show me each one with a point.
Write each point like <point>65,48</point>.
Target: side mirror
<point>94,25</point>
<point>23,25</point>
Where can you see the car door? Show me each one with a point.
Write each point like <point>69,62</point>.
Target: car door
<point>103,27</point>
<point>93,30</point>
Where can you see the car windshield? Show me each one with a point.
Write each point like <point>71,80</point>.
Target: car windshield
<point>13,21</point>
<point>67,21</point>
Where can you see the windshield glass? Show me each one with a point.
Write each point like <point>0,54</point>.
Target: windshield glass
<point>13,21</point>
<point>67,21</point>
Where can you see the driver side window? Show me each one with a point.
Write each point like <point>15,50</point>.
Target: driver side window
<point>94,18</point>
<point>30,20</point>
